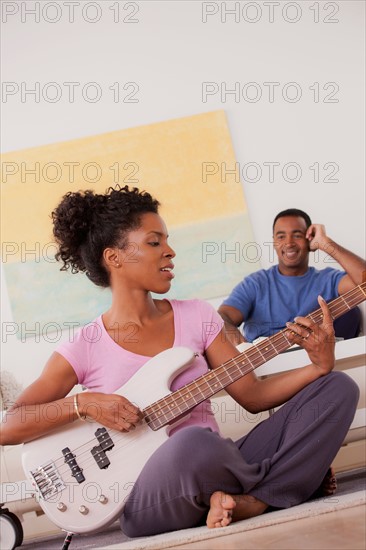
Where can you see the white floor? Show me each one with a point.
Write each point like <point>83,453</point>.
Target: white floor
<point>344,529</point>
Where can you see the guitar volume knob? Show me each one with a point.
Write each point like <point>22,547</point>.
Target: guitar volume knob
<point>83,510</point>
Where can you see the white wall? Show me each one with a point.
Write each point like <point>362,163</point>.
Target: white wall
<point>169,52</point>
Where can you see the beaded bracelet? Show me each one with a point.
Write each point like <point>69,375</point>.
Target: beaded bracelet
<point>76,407</point>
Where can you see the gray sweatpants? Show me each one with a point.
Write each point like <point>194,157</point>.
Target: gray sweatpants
<point>282,461</point>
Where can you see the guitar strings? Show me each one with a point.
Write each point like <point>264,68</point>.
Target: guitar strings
<point>117,437</point>
<point>231,363</point>
<point>84,458</point>
<point>255,353</point>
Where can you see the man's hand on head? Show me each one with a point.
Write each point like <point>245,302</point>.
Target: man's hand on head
<point>317,237</point>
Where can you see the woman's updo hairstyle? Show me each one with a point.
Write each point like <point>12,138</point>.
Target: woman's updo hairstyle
<point>86,223</point>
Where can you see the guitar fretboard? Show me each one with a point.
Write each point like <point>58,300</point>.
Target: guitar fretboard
<point>179,402</point>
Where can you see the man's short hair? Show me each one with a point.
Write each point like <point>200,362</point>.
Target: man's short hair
<point>293,212</point>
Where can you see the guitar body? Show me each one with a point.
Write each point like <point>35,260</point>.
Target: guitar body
<point>98,500</point>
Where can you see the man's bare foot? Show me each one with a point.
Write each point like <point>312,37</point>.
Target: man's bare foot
<point>226,508</point>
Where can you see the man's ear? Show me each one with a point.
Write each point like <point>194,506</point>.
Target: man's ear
<point>308,240</point>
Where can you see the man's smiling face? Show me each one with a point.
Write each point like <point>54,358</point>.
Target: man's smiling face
<point>291,245</point>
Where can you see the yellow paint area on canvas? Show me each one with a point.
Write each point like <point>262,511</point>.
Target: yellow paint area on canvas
<point>182,162</point>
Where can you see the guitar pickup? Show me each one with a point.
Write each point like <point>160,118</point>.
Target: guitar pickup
<point>105,444</point>
<point>100,457</point>
<point>104,439</point>
<point>76,471</point>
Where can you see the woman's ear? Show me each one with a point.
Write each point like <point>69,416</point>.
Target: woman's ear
<point>111,257</point>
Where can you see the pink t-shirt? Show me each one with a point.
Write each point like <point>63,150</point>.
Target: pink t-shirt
<point>102,365</point>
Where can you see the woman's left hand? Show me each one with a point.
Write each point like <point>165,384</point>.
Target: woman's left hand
<point>317,340</point>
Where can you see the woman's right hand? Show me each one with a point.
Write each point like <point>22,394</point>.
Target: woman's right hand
<point>33,413</point>
<point>111,410</point>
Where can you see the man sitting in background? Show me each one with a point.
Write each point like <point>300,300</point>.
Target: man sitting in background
<point>269,298</point>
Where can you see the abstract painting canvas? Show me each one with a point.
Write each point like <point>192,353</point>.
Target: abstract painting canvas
<point>188,164</point>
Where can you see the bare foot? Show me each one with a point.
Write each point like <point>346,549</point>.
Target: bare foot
<point>221,510</point>
<point>329,483</point>
<point>226,508</point>
<point>328,486</point>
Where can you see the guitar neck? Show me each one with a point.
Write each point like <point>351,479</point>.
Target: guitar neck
<point>177,403</point>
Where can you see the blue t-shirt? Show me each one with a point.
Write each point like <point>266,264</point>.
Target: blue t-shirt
<point>267,299</point>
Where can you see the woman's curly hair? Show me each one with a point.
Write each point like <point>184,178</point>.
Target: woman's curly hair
<point>86,223</point>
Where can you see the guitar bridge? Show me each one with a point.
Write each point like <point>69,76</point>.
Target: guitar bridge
<point>47,481</point>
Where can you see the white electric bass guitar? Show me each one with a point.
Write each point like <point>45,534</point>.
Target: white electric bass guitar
<point>84,472</point>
